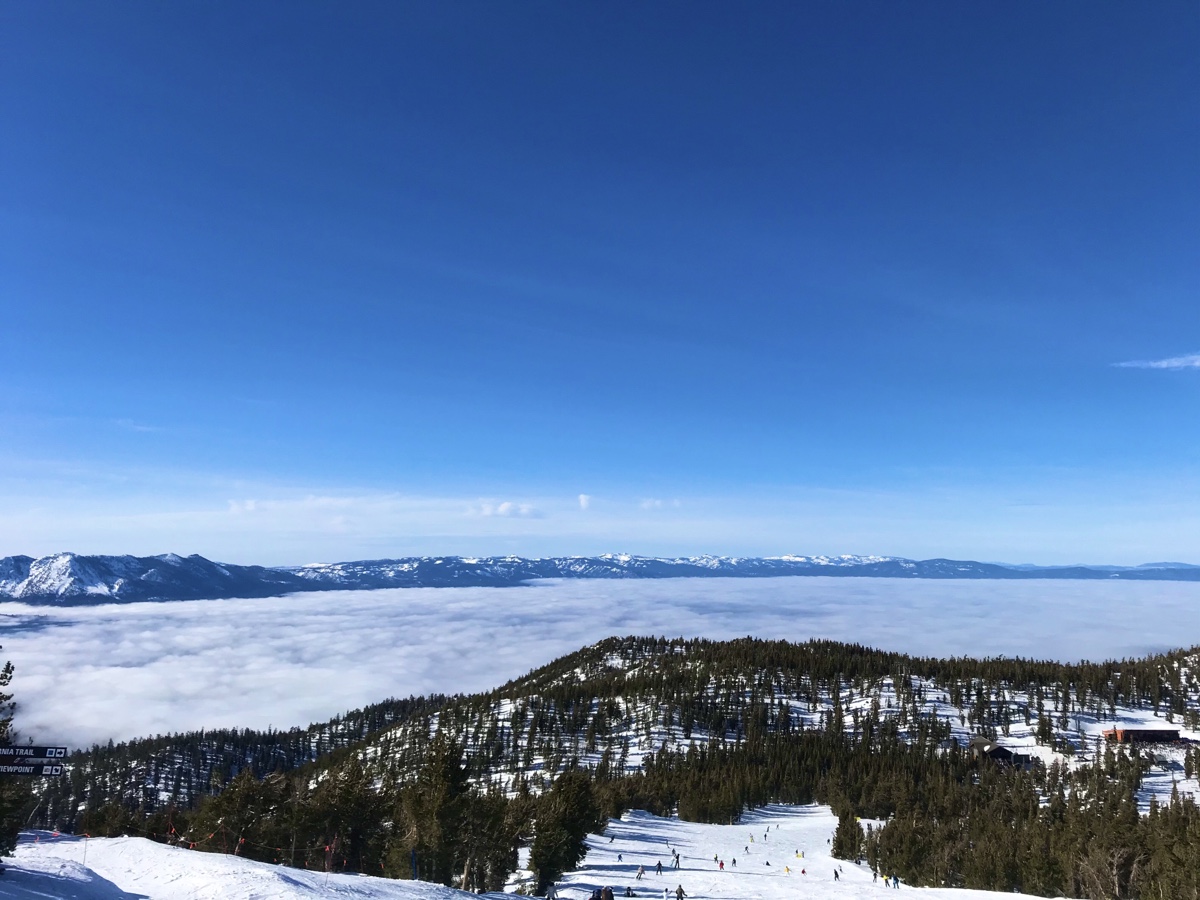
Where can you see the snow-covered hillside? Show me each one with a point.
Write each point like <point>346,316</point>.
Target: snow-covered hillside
<point>530,738</point>
<point>611,705</point>
<point>770,868</point>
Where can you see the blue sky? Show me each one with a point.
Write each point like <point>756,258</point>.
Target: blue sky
<point>300,282</point>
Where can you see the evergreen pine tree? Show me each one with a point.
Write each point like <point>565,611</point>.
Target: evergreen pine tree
<point>14,793</point>
<point>565,816</point>
<point>848,838</point>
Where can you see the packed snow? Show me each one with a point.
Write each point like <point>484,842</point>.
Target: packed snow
<point>64,867</point>
<point>781,853</point>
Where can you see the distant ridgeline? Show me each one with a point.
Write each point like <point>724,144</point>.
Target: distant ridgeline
<point>1044,805</point>
<point>68,578</point>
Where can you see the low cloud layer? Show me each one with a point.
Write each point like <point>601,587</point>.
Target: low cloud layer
<point>85,675</point>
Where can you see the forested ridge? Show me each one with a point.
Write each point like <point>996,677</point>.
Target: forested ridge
<point>181,769</point>
<point>703,729</point>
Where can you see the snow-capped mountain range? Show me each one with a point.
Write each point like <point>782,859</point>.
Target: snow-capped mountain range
<point>76,579</point>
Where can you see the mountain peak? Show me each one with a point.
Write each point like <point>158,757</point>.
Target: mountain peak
<point>74,578</point>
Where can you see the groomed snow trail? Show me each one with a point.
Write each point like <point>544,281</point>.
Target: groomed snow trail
<point>46,866</point>
<point>779,833</point>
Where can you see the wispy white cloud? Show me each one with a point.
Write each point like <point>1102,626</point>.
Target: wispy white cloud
<point>87,674</point>
<point>1191,361</point>
<point>585,501</point>
<point>505,509</point>
<point>1049,515</point>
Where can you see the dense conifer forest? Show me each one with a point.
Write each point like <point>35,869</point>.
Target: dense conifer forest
<point>446,789</point>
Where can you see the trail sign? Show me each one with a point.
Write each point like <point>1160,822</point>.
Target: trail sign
<point>30,769</point>
<point>10,754</point>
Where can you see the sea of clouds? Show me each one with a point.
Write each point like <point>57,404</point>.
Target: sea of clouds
<point>90,674</point>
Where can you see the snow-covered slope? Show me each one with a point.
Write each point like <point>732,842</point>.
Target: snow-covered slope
<point>766,844</point>
<point>72,868</point>
<point>46,865</point>
<point>625,726</point>
<point>72,578</point>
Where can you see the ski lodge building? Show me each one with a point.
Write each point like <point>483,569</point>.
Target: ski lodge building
<point>1142,735</point>
<point>983,748</point>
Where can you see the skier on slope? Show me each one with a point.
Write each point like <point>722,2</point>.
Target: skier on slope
<point>679,894</point>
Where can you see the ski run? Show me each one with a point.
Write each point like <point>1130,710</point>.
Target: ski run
<point>781,853</point>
